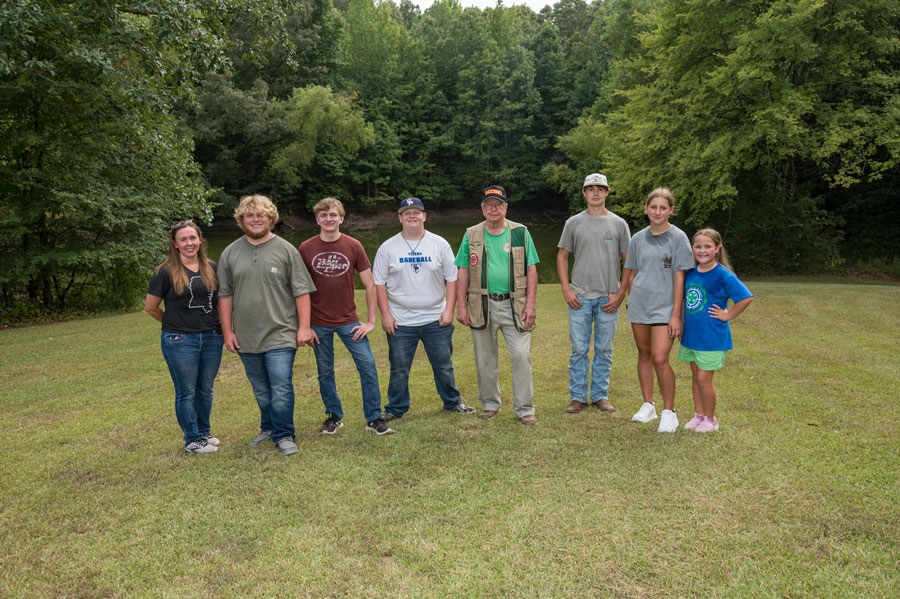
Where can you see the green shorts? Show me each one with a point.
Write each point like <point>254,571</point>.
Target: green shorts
<point>706,360</point>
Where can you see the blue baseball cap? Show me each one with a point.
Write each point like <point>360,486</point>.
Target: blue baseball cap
<point>408,203</point>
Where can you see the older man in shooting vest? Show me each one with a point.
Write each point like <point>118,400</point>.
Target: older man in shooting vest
<point>497,291</point>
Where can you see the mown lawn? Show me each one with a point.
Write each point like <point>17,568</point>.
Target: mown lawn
<point>796,496</point>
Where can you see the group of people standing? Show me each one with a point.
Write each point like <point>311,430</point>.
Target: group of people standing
<point>265,298</point>
<point>674,291</point>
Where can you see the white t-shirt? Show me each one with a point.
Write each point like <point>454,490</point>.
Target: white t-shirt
<point>414,274</point>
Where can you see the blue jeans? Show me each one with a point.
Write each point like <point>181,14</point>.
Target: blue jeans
<point>271,375</point>
<point>365,365</point>
<point>193,360</point>
<point>438,342</point>
<point>604,325</point>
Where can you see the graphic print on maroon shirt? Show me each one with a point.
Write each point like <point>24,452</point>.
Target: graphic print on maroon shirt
<point>331,265</point>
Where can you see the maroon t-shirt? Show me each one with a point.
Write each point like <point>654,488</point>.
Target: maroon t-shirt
<point>331,265</point>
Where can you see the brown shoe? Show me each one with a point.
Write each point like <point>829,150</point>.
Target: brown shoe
<point>604,406</point>
<point>530,419</point>
<point>487,414</point>
<point>574,407</point>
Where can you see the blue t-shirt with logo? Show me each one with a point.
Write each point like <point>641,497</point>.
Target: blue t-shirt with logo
<point>702,290</point>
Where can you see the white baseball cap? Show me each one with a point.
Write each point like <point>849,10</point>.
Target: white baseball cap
<point>595,179</point>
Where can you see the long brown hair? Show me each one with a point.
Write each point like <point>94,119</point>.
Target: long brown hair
<point>176,268</point>
<point>721,255</point>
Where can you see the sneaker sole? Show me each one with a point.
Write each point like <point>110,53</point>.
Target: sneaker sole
<point>327,432</point>
<point>633,419</point>
<point>389,431</point>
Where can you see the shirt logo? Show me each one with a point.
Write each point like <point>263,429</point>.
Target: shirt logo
<point>506,247</point>
<point>330,264</point>
<point>608,237</point>
<point>667,262</point>
<point>274,270</point>
<point>694,298</point>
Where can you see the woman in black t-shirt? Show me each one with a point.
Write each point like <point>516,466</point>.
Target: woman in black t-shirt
<point>191,337</point>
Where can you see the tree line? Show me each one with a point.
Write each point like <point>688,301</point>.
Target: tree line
<point>775,121</point>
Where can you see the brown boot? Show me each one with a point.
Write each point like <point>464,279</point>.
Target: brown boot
<point>574,407</point>
<point>604,406</point>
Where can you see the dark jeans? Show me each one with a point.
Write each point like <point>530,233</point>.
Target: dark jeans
<point>271,375</point>
<point>365,365</point>
<point>438,342</point>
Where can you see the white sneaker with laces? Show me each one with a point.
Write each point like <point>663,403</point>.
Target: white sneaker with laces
<point>646,413</point>
<point>668,423</point>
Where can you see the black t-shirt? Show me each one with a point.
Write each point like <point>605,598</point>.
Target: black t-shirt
<point>194,311</point>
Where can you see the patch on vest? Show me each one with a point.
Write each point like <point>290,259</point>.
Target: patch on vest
<point>474,245</point>
<point>473,259</point>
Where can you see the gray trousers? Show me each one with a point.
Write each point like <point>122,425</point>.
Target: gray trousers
<point>484,342</point>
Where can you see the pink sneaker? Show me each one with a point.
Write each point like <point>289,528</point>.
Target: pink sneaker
<point>693,422</point>
<point>708,425</point>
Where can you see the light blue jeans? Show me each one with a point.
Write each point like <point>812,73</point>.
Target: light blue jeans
<point>271,375</point>
<point>604,327</point>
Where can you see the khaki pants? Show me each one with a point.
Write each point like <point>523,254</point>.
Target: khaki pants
<point>484,342</point>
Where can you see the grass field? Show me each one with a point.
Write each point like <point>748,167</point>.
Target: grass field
<point>798,494</point>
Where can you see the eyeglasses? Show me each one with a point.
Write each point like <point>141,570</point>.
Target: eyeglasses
<point>493,206</point>
<point>183,223</point>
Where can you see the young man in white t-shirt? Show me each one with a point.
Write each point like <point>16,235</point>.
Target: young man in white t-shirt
<point>599,239</point>
<point>415,281</point>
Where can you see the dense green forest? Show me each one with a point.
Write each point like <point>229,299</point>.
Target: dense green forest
<point>776,121</point>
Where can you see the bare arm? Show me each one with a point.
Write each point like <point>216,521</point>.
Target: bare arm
<point>151,306</point>
<point>226,306</point>
<point>462,286</point>
<point>675,323</point>
<point>305,335</point>
<point>450,298</point>
<point>387,319</point>
<point>531,284</point>
<point>364,328</point>
<point>726,315</point>
<point>562,269</point>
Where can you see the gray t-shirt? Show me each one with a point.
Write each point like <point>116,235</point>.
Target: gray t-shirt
<point>263,281</point>
<point>655,258</point>
<point>598,243</point>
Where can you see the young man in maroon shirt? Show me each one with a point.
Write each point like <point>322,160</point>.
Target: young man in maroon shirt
<point>331,258</point>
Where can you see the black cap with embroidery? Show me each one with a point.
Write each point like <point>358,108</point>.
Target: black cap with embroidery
<point>494,191</point>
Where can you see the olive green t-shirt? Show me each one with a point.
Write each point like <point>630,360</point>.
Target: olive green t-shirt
<point>263,281</point>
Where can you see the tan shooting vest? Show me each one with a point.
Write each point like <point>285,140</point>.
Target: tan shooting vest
<point>477,293</point>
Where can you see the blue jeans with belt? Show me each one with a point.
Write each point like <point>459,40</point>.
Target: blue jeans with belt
<point>438,342</point>
<point>193,360</point>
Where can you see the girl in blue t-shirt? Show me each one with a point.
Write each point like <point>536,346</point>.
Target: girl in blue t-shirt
<point>706,335</point>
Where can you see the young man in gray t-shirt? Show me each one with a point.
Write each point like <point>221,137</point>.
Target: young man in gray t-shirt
<point>264,307</point>
<point>599,239</point>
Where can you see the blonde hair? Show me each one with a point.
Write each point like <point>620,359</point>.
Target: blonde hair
<point>716,238</point>
<point>327,204</point>
<point>176,268</point>
<point>661,192</point>
<point>260,204</point>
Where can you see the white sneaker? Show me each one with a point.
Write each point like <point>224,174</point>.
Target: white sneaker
<point>200,446</point>
<point>669,422</point>
<point>646,413</point>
